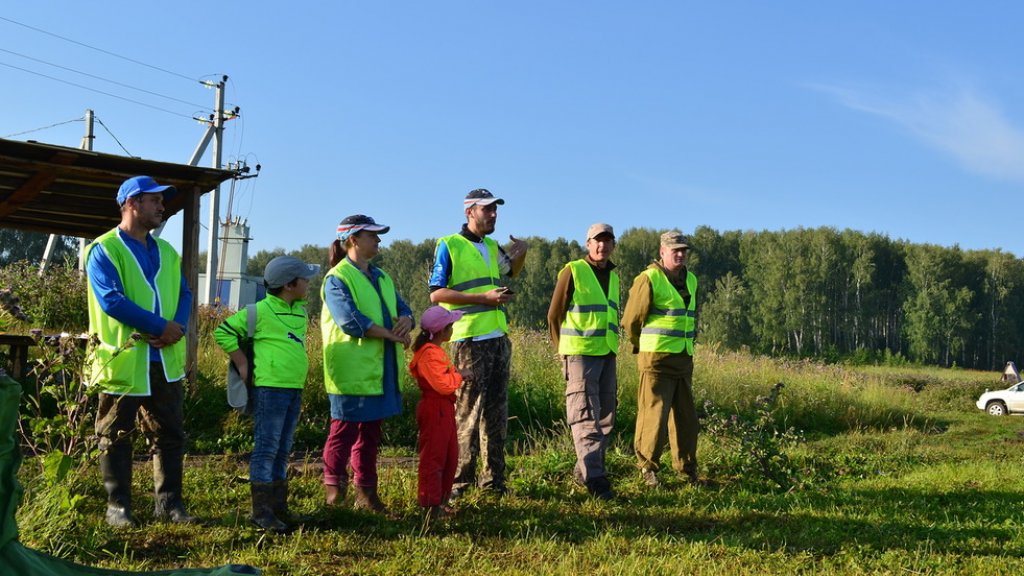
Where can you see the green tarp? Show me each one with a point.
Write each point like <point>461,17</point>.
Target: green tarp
<point>17,560</point>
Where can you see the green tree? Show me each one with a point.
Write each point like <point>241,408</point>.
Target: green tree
<point>938,312</point>
<point>19,245</point>
<point>724,316</point>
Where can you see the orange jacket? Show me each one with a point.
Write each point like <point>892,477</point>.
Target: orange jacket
<point>434,372</point>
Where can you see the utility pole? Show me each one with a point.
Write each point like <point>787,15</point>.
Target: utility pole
<point>52,240</point>
<point>215,132</point>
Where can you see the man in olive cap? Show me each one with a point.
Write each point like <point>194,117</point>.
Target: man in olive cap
<point>660,319</point>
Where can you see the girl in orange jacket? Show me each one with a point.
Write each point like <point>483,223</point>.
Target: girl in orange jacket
<point>435,414</point>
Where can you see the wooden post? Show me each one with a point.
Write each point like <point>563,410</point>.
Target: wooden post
<point>190,268</point>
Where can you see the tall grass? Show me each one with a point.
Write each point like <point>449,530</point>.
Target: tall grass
<point>819,399</point>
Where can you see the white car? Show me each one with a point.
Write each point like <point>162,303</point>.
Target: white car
<point>1003,402</point>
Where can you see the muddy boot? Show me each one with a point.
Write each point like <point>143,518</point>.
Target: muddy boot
<point>280,504</point>
<point>263,508</point>
<point>367,499</point>
<point>334,495</point>
<point>168,503</point>
<point>116,468</point>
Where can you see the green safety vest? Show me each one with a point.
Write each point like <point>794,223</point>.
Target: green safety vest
<point>670,323</point>
<point>355,366</point>
<point>126,371</point>
<point>591,324</point>
<point>472,275</point>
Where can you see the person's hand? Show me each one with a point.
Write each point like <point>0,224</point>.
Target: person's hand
<point>172,333</point>
<point>517,249</point>
<point>243,370</point>
<point>498,296</point>
<point>402,326</point>
<point>405,340</point>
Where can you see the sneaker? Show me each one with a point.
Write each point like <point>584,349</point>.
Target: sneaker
<point>649,478</point>
<point>600,488</point>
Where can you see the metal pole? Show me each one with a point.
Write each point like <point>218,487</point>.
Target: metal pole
<point>213,221</point>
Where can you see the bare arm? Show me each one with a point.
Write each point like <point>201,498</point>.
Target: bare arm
<point>495,297</point>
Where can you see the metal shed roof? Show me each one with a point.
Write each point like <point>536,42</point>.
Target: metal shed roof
<point>60,190</point>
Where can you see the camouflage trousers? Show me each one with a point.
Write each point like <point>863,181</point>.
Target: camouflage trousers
<point>481,410</point>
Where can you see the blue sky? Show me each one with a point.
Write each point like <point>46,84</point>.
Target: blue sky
<point>879,116</point>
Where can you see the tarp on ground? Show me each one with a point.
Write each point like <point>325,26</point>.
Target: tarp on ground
<point>22,561</point>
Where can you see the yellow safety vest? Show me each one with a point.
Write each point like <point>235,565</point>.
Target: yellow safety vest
<point>670,323</point>
<point>125,370</point>
<point>472,275</point>
<point>355,366</point>
<point>591,324</point>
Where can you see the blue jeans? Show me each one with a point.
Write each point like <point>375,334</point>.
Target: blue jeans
<point>277,414</point>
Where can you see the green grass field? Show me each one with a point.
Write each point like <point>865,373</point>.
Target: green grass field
<point>898,473</point>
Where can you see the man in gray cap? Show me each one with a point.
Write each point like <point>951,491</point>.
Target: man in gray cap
<point>660,321</point>
<point>583,319</point>
<point>136,287</point>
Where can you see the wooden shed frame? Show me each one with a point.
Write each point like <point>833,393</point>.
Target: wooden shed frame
<point>69,191</point>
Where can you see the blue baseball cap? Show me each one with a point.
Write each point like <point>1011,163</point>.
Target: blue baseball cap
<point>143,185</point>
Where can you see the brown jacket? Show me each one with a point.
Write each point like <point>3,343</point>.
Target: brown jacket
<point>561,298</point>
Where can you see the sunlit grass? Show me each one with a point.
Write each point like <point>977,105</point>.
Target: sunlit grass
<point>905,476</point>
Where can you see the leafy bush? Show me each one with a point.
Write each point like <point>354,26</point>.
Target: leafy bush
<point>761,440</point>
<point>55,301</point>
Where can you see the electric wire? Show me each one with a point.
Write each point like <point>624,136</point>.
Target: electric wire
<point>107,52</point>
<point>43,128</point>
<point>95,90</point>
<point>115,82</point>
<point>112,136</point>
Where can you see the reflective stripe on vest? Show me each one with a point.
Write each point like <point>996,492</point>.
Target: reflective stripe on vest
<point>472,275</point>
<point>590,326</point>
<point>355,366</point>
<point>670,324</point>
<point>121,369</point>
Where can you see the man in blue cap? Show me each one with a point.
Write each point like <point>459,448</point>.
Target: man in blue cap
<point>139,306</point>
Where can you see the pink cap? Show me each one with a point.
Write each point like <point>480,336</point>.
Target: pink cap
<point>436,318</point>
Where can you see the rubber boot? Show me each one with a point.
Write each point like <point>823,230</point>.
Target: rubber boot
<point>116,468</point>
<point>263,508</point>
<point>280,504</point>
<point>334,495</point>
<point>367,499</point>
<point>168,503</point>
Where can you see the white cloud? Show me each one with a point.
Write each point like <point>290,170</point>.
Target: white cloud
<point>959,122</point>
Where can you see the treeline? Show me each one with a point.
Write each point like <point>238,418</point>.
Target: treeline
<point>817,293</point>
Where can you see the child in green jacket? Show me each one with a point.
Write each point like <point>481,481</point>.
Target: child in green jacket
<point>281,364</point>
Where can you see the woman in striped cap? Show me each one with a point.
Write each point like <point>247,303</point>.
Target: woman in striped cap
<point>365,325</point>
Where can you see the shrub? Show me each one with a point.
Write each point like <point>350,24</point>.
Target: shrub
<point>55,301</point>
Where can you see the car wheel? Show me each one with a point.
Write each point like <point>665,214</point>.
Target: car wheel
<point>996,408</point>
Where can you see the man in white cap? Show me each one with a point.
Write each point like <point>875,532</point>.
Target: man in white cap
<point>583,320</point>
<point>136,287</point>
<point>467,270</point>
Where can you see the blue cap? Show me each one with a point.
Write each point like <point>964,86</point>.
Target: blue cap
<point>143,185</point>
